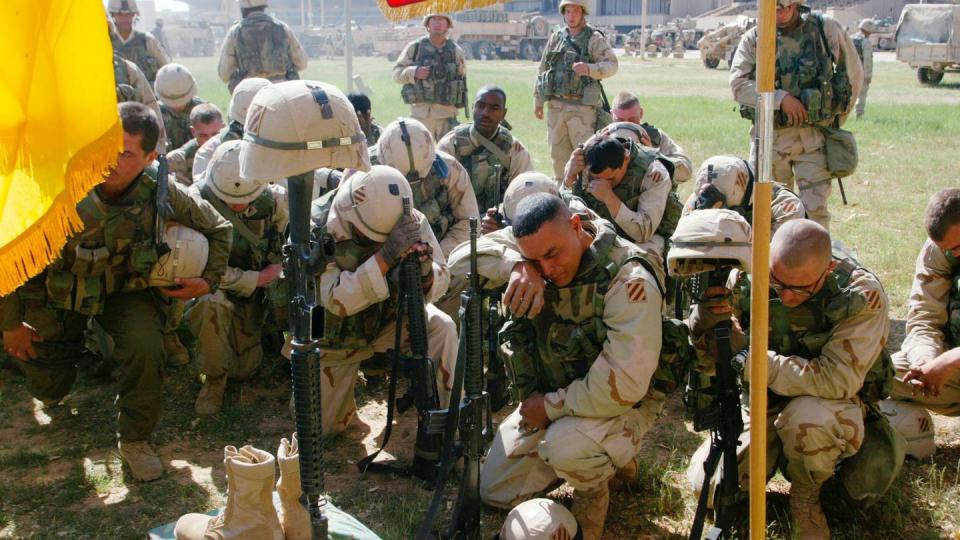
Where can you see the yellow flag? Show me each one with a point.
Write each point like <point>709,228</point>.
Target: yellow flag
<point>401,10</point>
<point>59,128</point>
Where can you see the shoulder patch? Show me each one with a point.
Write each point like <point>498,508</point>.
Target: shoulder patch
<point>873,299</point>
<point>637,291</point>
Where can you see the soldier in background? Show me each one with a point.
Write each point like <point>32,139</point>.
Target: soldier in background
<point>491,155</point>
<point>161,36</point>
<point>177,91</point>
<point>243,94</point>
<point>139,47</point>
<point>433,73</point>
<point>574,60</point>
<point>260,46</point>
<point>361,104</point>
<point>107,272</point>
<point>626,108</point>
<point>132,85</point>
<point>206,121</point>
<point>861,40</point>
<point>229,323</point>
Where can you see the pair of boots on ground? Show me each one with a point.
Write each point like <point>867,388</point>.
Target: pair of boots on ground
<point>250,512</point>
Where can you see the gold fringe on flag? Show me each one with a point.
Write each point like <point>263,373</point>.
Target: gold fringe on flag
<point>420,9</point>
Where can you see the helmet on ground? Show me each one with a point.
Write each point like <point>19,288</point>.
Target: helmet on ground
<point>372,201</point>
<point>408,146</point>
<point>242,96</point>
<point>729,174</point>
<point>428,16</point>
<point>223,176</point>
<point>175,85</point>
<point>539,519</point>
<point>123,6</point>
<point>581,3</point>
<point>246,4</point>
<point>523,186</point>
<point>914,423</point>
<point>186,259</point>
<point>707,235</point>
<point>296,127</point>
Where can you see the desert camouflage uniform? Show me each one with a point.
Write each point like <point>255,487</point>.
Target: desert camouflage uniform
<point>180,162</point>
<point>602,403</point>
<point>798,151</point>
<point>102,273</point>
<point>933,326</point>
<point>142,49</point>
<point>201,159</point>
<point>360,316</point>
<point>439,114</point>
<point>784,207</point>
<point>177,124</point>
<point>132,85</point>
<point>572,104</point>
<point>260,46</point>
<point>473,151</point>
<point>229,323</point>
<point>865,52</point>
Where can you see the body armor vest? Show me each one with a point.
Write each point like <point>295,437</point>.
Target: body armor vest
<point>431,197</point>
<point>177,123</point>
<point>480,164</point>
<point>115,251</point>
<point>262,49</point>
<point>444,85</point>
<point>807,70</point>
<point>953,304</point>
<point>258,219</point>
<point>136,51</point>
<point>559,81</point>
<point>804,330</point>
<point>360,329</point>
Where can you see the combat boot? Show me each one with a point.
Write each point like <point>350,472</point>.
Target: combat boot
<point>626,476</point>
<point>210,398</point>
<point>249,512</point>
<point>808,519</point>
<point>176,351</point>
<point>293,516</point>
<point>144,463</point>
<point>590,509</point>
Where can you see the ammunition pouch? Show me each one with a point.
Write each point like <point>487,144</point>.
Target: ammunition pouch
<point>143,255</point>
<point>677,356</point>
<point>67,291</point>
<point>518,353</point>
<point>90,262</point>
<point>672,213</point>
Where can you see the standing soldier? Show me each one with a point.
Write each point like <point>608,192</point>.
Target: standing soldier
<point>132,85</point>
<point>433,73</point>
<point>441,186</point>
<point>243,94</point>
<point>487,150</point>
<point>229,323</point>
<point>138,47</point>
<point>583,345</point>
<point>260,46</point>
<point>812,50</point>
<point>106,272</point>
<point>206,121</point>
<point>574,60</point>
<point>861,40</point>
<point>177,91</point>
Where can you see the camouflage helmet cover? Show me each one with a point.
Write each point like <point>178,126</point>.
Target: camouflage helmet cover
<point>242,96</point>
<point>539,519</point>
<point>408,146</point>
<point>523,186</point>
<point>123,6</point>
<point>186,259</point>
<point>372,201</point>
<point>709,234</point>
<point>729,174</point>
<point>581,3</point>
<point>223,176</point>
<point>428,16</point>
<point>175,85</point>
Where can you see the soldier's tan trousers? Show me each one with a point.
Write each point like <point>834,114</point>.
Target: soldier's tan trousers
<point>568,125</point>
<point>340,367</point>
<point>947,403</point>
<point>228,334</point>
<point>585,452</point>
<point>862,100</point>
<point>438,125</point>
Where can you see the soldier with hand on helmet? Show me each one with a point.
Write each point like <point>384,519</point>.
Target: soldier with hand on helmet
<point>260,46</point>
<point>177,91</point>
<point>137,46</point>
<point>107,271</point>
<point>433,73</point>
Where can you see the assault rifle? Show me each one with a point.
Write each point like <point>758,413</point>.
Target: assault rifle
<point>580,188</point>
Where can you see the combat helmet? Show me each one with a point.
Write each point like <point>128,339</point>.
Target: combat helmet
<point>914,423</point>
<point>625,130</point>
<point>296,127</point>
<point>707,235</point>
<point>539,519</point>
<point>523,186</point>
<point>223,176</point>
<point>428,16</point>
<point>242,96</point>
<point>730,176</point>
<point>175,85</point>
<point>407,145</point>
<point>247,4</point>
<point>123,6</point>
<point>868,25</point>
<point>186,259</point>
<point>372,201</point>
<point>581,3</point>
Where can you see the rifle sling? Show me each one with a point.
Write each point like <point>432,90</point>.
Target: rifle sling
<point>238,225</point>
<point>501,156</point>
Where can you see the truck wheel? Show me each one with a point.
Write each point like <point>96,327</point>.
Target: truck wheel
<point>540,26</point>
<point>484,50</point>
<point>885,44</point>
<point>929,76</point>
<point>528,50</point>
<point>711,62</point>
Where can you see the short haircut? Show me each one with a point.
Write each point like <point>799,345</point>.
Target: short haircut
<point>360,102</point>
<point>138,119</point>
<point>535,210</point>
<point>604,152</point>
<point>799,241</point>
<point>205,113</point>
<point>625,100</point>
<point>943,212</point>
<point>492,89</point>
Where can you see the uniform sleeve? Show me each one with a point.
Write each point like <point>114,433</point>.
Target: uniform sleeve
<point>198,214</point>
<point>403,69</point>
<point>228,55</point>
<point>551,41</point>
<point>927,308</point>
<point>786,206</point>
<point>297,54</point>
<point>441,273</point>
<point>741,73</point>
<point>856,342</point>
<point>148,98</point>
<point>620,376</point>
<point>244,282</point>
<point>641,223</point>
<point>683,167</point>
<point>605,63</point>
<point>497,254</point>
<point>520,161</point>
<point>463,203</point>
<point>177,163</point>
<point>156,50</point>
<point>202,158</point>
<point>846,52</point>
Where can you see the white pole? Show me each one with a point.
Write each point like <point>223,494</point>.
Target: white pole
<point>348,43</point>
<point>643,30</point>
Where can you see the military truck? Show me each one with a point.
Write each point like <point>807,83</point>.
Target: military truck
<point>884,39</point>
<point>486,34</point>
<point>389,41</point>
<point>190,38</point>
<point>720,44</point>
<point>928,39</point>
<point>329,40</point>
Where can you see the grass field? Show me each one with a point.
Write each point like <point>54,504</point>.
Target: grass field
<point>60,478</point>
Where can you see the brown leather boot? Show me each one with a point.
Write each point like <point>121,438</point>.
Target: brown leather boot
<point>590,509</point>
<point>142,460</point>
<point>210,398</point>
<point>176,351</point>
<point>808,519</point>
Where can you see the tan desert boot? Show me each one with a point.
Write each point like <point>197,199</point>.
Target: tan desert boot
<point>249,512</point>
<point>210,399</point>
<point>293,516</point>
<point>144,463</point>
<point>808,519</point>
<point>177,353</point>
<point>590,509</point>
